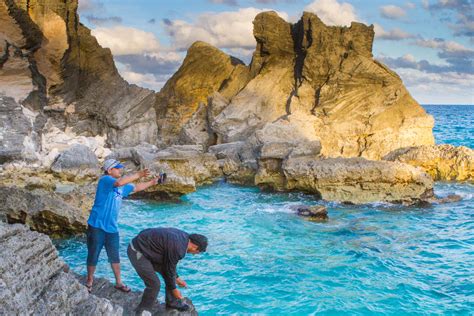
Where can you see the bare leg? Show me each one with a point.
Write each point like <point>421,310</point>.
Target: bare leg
<point>116,270</point>
<point>90,275</point>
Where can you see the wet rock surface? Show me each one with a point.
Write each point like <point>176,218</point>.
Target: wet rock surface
<point>316,213</point>
<point>129,301</point>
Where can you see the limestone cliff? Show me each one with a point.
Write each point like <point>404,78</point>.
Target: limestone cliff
<point>310,82</point>
<point>56,72</point>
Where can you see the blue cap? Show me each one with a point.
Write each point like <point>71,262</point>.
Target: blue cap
<point>112,163</point>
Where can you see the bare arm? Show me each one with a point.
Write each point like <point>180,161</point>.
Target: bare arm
<point>145,185</point>
<point>128,179</point>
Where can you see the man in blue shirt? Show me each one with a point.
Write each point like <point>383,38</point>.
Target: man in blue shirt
<point>102,227</point>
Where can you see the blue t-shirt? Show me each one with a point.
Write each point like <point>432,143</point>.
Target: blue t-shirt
<point>108,199</point>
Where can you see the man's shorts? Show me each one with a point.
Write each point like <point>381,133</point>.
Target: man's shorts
<point>96,240</point>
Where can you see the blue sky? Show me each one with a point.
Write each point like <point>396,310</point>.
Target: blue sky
<point>429,43</point>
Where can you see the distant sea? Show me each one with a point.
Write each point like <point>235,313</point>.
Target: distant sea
<point>454,124</point>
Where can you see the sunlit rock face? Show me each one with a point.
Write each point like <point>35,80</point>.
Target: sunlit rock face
<point>318,82</point>
<point>441,162</point>
<point>53,67</point>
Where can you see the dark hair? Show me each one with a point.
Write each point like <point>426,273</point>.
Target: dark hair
<point>200,241</point>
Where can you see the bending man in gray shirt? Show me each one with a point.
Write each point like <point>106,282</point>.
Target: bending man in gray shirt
<point>159,250</point>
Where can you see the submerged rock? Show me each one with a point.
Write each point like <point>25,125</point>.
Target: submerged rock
<point>441,162</point>
<point>316,213</point>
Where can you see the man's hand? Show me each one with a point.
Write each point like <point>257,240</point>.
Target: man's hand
<point>177,294</point>
<point>143,173</point>
<point>181,282</point>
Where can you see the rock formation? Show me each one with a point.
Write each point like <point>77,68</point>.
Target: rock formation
<point>441,162</point>
<point>181,105</point>
<point>42,210</point>
<point>308,82</point>
<point>52,70</point>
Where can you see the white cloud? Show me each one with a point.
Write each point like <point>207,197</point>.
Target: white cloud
<point>447,88</point>
<point>232,29</point>
<point>410,5</point>
<point>392,12</point>
<point>332,12</point>
<point>126,40</point>
<point>447,46</point>
<point>394,34</point>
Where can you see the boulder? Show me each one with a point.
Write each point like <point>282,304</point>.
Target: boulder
<point>186,166</point>
<point>441,162</point>
<point>78,161</point>
<point>313,82</point>
<point>43,211</point>
<point>54,67</point>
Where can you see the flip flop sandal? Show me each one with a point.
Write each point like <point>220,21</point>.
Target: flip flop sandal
<point>89,288</point>
<point>123,288</point>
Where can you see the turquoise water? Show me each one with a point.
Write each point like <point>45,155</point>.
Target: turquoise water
<point>263,259</point>
<point>454,124</point>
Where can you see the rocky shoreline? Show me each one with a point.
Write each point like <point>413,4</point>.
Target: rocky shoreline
<point>326,119</point>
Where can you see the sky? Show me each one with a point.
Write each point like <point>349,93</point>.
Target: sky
<point>429,43</point>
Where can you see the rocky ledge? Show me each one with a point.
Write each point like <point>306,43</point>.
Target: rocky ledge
<point>441,162</point>
<point>35,281</point>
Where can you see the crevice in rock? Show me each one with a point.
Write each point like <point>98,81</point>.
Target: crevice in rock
<point>317,95</point>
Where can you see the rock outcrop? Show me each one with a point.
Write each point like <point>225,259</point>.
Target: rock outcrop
<point>181,105</point>
<point>42,210</point>
<point>34,282</point>
<point>351,180</point>
<point>312,82</point>
<point>441,162</point>
<point>56,72</point>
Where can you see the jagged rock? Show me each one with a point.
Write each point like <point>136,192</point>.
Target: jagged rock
<point>129,301</point>
<point>316,213</point>
<point>441,162</point>
<point>204,71</point>
<point>56,68</point>
<point>333,92</point>
<point>43,211</point>
<point>33,281</point>
<point>78,161</point>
